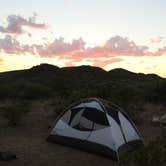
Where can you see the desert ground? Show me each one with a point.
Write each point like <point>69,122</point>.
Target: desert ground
<point>28,141</point>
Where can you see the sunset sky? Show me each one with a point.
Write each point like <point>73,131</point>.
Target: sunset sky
<point>129,34</point>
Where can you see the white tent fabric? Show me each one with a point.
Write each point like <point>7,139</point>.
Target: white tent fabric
<point>94,125</point>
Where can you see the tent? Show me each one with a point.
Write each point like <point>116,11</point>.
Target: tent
<point>96,126</point>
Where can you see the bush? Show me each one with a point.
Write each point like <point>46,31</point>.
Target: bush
<point>5,91</point>
<point>14,112</point>
<point>134,111</point>
<point>151,155</point>
<point>59,104</point>
<point>25,90</point>
<point>34,91</point>
<point>156,92</point>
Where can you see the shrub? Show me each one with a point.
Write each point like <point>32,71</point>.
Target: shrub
<point>34,91</point>
<point>25,90</point>
<point>151,155</point>
<point>60,104</point>
<point>156,92</point>
<point>5,91</point>
<point>14,112</point>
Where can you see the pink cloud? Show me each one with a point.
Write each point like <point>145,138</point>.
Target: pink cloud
<point>95,62</point>
<point>72,62</point>
<point>75,51</point>
<point>60,47</point>
<point>158,39</point>
<point>103,63</point>
<point>16,23</point>
<point>115,46</point>
<point>10,45</point>
<point>124,46</point>
<point>161,51</point>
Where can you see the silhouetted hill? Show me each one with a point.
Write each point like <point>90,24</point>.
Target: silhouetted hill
<point>51,71</point>
<point>120,73</point>
<point>54,76</point>
<point>46,80</point>
<point>44,67</point>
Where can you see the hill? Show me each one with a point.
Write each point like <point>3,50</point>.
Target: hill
<point>46,80</point>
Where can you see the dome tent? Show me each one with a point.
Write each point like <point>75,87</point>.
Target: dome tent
<point>96,126</point>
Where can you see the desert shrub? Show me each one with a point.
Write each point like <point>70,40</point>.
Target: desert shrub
<point>122,93</point>
<point>126,95</point>
<point>14,112</point>
<point>156,92</point>
<point>65,99</point>
<point>59,104</point>
<point>36,91</point>
<point>25,90</point>
<point>77,95</point>
<point>151,155</point>
<point>134,111</point>
<point>5,91</point>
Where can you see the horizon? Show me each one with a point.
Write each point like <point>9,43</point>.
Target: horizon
<point>108,34</point>
<point>80,66</point>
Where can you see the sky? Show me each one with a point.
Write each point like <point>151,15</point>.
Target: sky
<point>127,34</point>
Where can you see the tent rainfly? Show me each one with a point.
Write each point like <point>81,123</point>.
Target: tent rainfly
<point>96,126</point>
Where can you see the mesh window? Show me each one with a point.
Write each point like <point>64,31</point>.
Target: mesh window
<point>97,118</point>
<point>72,117</point>
<point>85,124</point>
<point>86,119</point>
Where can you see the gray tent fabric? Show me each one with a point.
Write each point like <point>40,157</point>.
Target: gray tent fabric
<point>96,126</point>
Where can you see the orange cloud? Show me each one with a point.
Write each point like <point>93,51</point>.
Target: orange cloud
<point>96,62</point>
<point>75,51</point>
<point>114,46</point>
<point>103,63</point>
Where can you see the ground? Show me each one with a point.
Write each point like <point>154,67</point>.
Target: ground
<point>28,142</point>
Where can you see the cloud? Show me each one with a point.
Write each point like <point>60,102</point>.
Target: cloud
<point>10,45</point>
<point>116,46</point>
<point>161,51</point>
<point>76,52</point>
<point>60,47</point>
<point>158,39</point>
<point>122,45</point>
<point>95,62</point>
<point>73,62</point>
<point>16,23</point>
<point>103,63</point>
